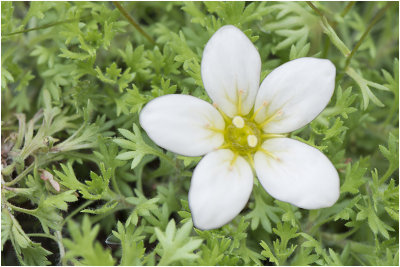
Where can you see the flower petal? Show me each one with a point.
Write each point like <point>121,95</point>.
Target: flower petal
<point>219,190</point>
<point>295,93</point>
<point>231,64</point>
<point>300,174</point>
<point>181,124</point>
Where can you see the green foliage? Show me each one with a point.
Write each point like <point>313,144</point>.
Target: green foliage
<point>27,252</point>
<point>47,210</point>
<point>82,183</point>
<point>293,22</point>
<point>84,237</point>
<point>391,153</point>
<point>142,205</point>
<point>138,145</point>
<point>92,189</point>
<point>176,245</point>
<point>263,211</point>
<point>281,251</point>
<point>354,178</point>
<point>131,245</point>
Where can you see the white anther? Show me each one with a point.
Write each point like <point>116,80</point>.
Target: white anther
<point>238,122</point>
<point>252,140</point>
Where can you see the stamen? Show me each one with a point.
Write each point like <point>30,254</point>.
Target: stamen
<point>240,102</point>
<point>273,117</point>
<point>226,118</point>
<point>224,146</point>
<point>250,160</point>
<point>238,122</point>
<point>264,104</point>
<point>252,140</point>
<point>207,126</point>
<point>233,161</point>
<point>216,130</point>
<point>269,154</point>
<point>268,136</point>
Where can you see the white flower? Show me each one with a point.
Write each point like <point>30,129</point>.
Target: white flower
<point>243,130</point>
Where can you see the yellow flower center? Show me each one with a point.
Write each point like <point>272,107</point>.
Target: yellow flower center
<point>242,136</point>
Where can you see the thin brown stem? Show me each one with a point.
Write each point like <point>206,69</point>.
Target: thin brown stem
<point>347,8</point>
<point>40,27</point>
<point>315,8</point>
<point>77,210</point>
<point>133,22</point>
<point>366,32</point>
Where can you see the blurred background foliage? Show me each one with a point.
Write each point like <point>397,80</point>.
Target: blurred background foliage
<point>83,184</point>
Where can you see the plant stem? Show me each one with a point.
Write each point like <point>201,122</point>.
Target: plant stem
<point>344,12</point>
<point>60,245</point>
<point>40,27</point>
<point>133,22</point>
<point>319,12</point>
<point>347,8</point>
<point>373,22</point>
<point>85,156</point>
<point>115,184</point>
<point>315,8</point>
<point>43,235</point>
<point>316,226</point>
<point>101,216</point>
<point>72,214</point>
<point>387,174</point>
<point>21,175</point>
<point>356,246</point>
<point>38,162</point>
<point>19,209</point>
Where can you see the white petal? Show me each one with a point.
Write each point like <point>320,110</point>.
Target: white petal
<point>300,174</point>
<point>179,123</point>
<point>219,190</point>
<point>230,64</point>
<point>296,93</point>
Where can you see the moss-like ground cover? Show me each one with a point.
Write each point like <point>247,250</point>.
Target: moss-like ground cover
<point>83,184</point>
